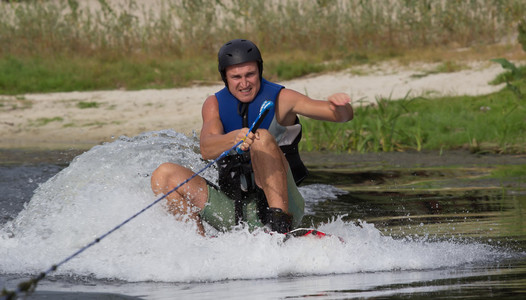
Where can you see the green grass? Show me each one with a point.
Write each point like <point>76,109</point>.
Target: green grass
<point>90,104</point>
<point>445,67</point>
<point>52,46</point>
<point>48,46</point>
<point>35,74</point>
<point>509,171</point>
<point>491,123</point>
<point>44,121</point>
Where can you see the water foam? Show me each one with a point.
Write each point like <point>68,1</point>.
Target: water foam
<point>111,182</point>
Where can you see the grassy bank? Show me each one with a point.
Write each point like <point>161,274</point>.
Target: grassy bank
<point>59,45</point>
<point>492,123</point>
<point>134,44</point>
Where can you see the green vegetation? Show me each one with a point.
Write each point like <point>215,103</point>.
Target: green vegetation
<point>446,67</point>
<point>510,171</point>
<point>84,104</point>
<point>44,121</point>
<point>48,46</point>
<point>491,123</point>
<point>494,123</point>
<point>60,45</point>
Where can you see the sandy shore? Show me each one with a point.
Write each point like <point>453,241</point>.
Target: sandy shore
<point>55,120</point>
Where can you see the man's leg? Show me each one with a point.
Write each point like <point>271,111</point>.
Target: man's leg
<point>188,199</point>
<point>270,169</point>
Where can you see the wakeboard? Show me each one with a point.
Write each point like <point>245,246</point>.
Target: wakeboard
<point>308,232</point>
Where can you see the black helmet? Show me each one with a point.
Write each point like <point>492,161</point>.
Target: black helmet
<point>237,52</point>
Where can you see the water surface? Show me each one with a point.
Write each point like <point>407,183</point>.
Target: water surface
<point>402,240</point>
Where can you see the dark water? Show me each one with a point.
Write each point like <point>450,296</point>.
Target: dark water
<point>469,215</point>
<point>17,184</point>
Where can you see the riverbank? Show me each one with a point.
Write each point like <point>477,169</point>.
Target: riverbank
<point>80,120</point>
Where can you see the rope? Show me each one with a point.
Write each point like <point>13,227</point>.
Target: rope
<point>29,286</point>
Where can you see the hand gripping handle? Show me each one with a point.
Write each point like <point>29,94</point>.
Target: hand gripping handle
<point>265,108</point>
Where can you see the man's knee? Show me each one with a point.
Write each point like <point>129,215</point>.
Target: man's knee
<point>266,139</point>
<point>162,170</point>
<point>265,135</point>
<point>161,176</point>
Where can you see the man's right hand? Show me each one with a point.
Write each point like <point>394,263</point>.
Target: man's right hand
<point>248,140</point>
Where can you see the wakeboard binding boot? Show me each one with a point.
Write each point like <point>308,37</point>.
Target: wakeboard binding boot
<point>278,220</point>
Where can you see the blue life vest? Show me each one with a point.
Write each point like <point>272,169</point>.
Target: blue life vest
<point>229,106</point>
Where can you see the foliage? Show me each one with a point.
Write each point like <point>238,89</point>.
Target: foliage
<point>66,45</point>
<point>492,123</point>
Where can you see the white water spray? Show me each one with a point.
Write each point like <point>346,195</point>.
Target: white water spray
<point>109,183</point>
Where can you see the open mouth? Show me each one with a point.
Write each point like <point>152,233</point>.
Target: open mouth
<point>246,90</point>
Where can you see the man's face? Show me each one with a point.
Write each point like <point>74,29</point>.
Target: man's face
<point>243,81</point>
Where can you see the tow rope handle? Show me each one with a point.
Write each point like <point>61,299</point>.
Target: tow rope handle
<point>263,112</point>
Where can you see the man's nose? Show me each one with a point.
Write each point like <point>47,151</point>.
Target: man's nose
<point>244,81</point>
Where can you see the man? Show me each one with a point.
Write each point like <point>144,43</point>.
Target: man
<point>257,187</point>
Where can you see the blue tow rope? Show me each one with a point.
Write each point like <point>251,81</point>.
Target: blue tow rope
<point>30,285</point>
